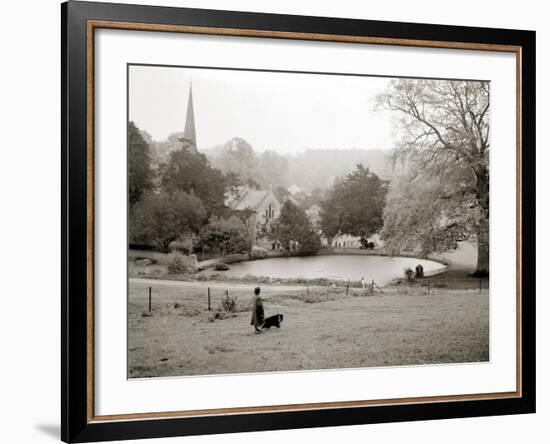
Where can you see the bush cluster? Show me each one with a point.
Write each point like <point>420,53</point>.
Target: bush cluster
<point>229,303</point>
<point>177,264</point>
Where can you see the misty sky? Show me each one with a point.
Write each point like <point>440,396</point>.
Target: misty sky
<point>283,112</point>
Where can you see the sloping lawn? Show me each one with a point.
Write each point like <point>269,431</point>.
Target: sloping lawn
<point>403,326</point>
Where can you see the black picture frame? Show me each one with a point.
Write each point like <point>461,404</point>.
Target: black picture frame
<point>76,423</point>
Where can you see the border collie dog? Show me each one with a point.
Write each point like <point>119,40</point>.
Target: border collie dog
<point>273,321</point>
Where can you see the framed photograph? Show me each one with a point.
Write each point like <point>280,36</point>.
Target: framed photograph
<point>275,221</point>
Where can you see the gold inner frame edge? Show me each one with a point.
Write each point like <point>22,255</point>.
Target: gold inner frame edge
<point>92,25</point>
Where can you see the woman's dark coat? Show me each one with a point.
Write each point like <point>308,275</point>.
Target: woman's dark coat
<point>257,312</point>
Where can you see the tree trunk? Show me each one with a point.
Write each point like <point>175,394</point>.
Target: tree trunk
<point>482,268</point>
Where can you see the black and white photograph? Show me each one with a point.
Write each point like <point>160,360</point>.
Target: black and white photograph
<point>295,221</point>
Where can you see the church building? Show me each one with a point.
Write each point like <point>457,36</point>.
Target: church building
<point>261,208</point>
<point>189,138</point>
<point>256,207</point>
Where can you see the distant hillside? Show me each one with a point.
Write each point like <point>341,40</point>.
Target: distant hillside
<point>309,169</point>
<point>160,151</point>
<point>313,169</point>
<point>318,168</point>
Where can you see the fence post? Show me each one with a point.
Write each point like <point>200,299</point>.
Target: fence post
<point>428,286</point>
<point>347,288</point>
<point>209,309</point>
<point>149,299</point>
<point>372,287</point>
<point>480,285</point>
<point>379,289</point>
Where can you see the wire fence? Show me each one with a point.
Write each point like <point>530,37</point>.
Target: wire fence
<point>430,285</point>
<point>472,283</point>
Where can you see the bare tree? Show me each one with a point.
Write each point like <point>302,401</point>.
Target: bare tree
<point>445,128</point>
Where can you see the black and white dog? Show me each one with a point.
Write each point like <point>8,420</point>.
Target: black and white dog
<point>273,321</point>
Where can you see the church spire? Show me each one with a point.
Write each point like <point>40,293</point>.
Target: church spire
<point>189,136</point>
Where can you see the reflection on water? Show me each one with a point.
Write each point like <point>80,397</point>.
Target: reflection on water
<point>380,268</point>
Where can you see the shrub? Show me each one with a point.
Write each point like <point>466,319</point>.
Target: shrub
<point>220,315</point>
<point>258,253</point>
<point>162,218</point>
<point>143,260</point>
<point>229,303</point>
<point>311,298</point>
<point>177,265</point>
<point>229,236</point>
<point>409,273</point>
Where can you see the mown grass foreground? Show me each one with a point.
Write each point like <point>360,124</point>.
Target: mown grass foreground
<point>321,330</point>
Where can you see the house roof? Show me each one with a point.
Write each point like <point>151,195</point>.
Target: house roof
<point>294,189</point>
<point>249,199</point>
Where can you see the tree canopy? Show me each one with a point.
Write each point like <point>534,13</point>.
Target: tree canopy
<point>239,158</point>
<point>140,173</point>
<point>164,217</point>
<point>419,216</point>
<point>228,235</point>
<point>257,170</point>
<point>273,168</point>
<point>444,146</point>
<point>354,205</point>
<point>294,231</point>
<point>191,173</point>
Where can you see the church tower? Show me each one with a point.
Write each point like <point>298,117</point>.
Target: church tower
<point>189,139</point>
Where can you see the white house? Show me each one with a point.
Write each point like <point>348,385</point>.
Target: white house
<point>346,241</point>
<point>294,189</point>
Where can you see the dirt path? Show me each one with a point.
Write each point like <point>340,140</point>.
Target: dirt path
<point>216,284</point>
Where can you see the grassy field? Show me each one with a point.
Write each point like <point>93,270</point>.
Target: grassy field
<point>403,326</point>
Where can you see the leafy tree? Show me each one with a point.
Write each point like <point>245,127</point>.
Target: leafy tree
<point>160,150</point>
<point>162,218</point>
<point>229,235</point>
<point>147,137</point>
<point>316,197</point>
<point>239,158</point>
<point>273,168</point>
<point>191,173</point>
<point>140,173</point>
<point>419,216</point>
<point>281,193</point>
<point>293,230</point>
<point>354,205</point>
<point>255,170</point>
<point>445,143</point>
<point>332,163</point>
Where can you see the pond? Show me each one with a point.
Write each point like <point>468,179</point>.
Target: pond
<point>337,267</point>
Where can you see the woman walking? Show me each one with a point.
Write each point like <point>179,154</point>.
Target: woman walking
<point>257,311</point>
